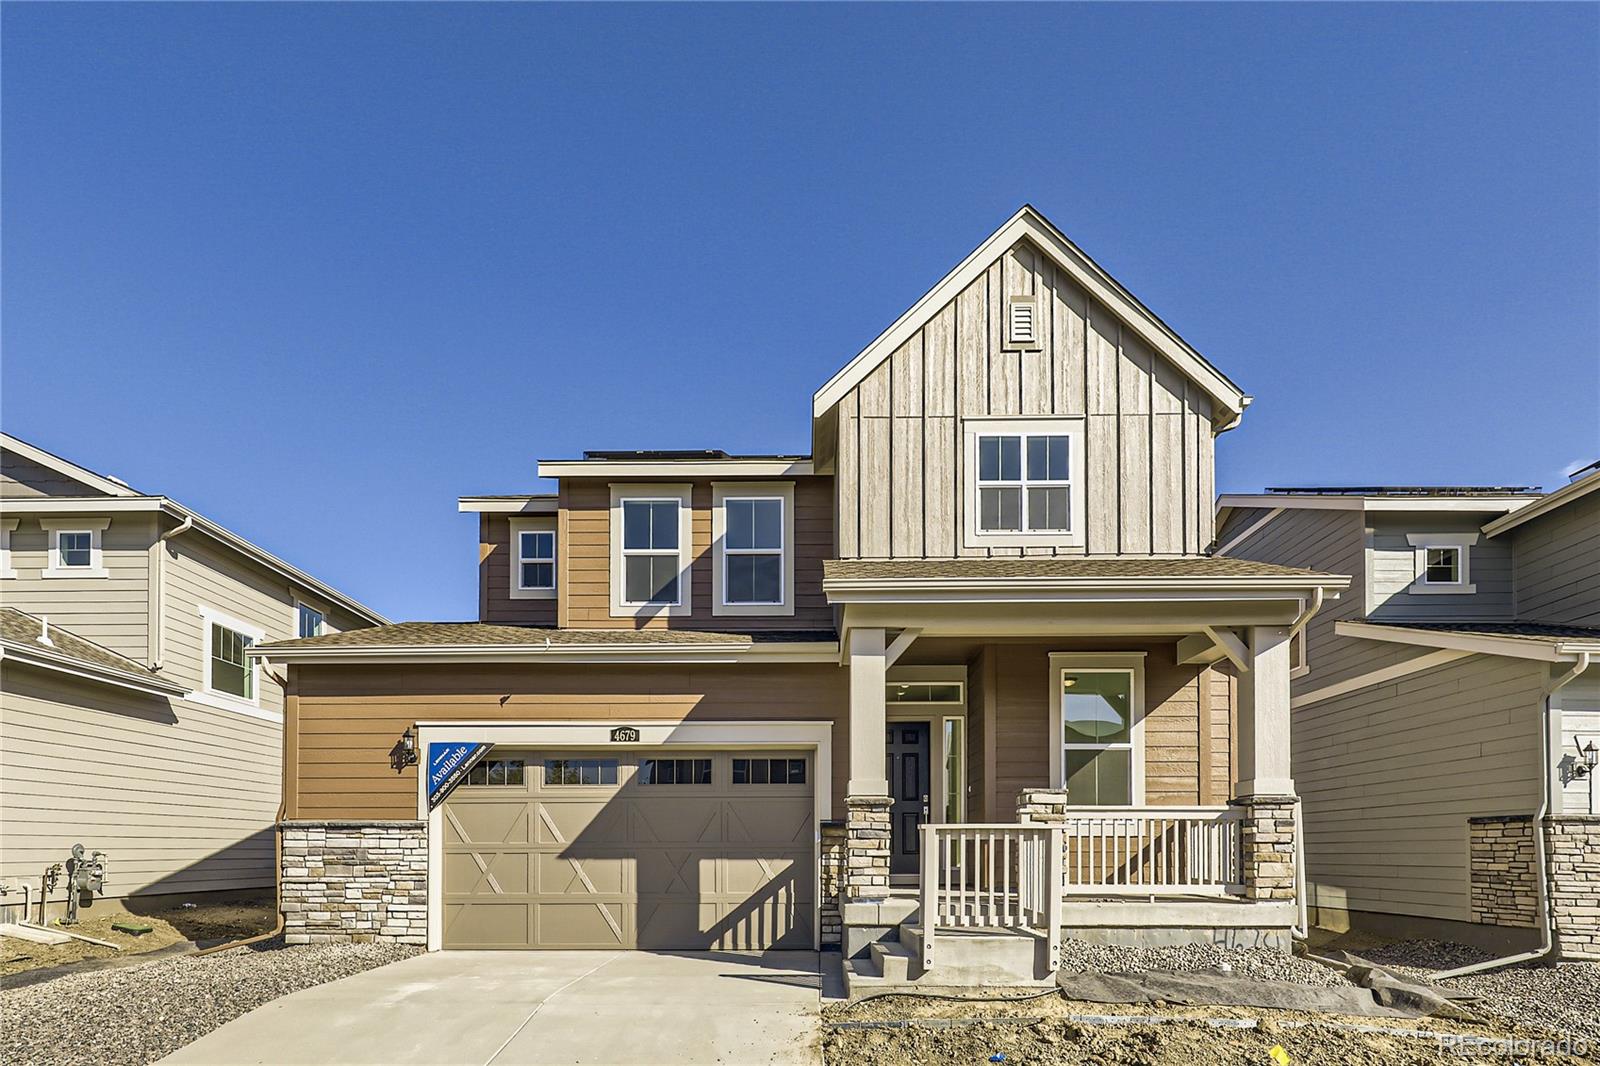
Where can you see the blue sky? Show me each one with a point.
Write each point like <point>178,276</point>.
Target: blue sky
<point>318,270</point>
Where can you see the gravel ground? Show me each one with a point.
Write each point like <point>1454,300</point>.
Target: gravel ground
<point>1563,999</point>
<point>138,1014</point>
<point>1255,963</point>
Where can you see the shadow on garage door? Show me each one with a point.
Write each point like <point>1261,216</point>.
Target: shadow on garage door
<point>679,850</point>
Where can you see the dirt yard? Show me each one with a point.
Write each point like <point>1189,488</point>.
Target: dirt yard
<point>172,923</point>
<point>1041,1032</point>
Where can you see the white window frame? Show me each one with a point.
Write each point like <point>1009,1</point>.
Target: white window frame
<point>1069,427</point>
<point>721,493</point>
<point>322,617</point>
<point>1128,662</point>
<point>8,526</point>
<point>681,494</point>
<point>227,701</point>
<point>519,526</point>
<point>1462,543</point>
<point>54,528</point>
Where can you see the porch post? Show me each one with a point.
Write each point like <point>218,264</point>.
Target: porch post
<point>866,874</point>
<point>1266,783</point>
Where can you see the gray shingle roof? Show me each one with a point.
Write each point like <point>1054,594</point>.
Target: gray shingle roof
<point>481,634</point>
<point>1055,567</point>
<point>23,631</point>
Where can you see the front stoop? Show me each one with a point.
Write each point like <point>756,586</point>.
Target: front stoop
<point>994,958</point>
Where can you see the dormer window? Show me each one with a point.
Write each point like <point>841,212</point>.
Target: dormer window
<point>1443,562</point>
<point>650,550</point>
<point>533,558</point>
<point>1023,482</point>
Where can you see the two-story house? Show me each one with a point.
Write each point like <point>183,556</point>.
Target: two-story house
<point>1446,710</point>
<point>968,665</point>
<point>131,720</point>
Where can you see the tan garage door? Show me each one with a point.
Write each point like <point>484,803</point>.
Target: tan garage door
<point>687,850</point>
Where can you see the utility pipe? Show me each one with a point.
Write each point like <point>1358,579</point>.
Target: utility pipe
<point>1546,933</point>
<point>1302,929</point>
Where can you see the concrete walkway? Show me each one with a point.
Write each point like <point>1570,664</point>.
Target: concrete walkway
<point>543,1007</point>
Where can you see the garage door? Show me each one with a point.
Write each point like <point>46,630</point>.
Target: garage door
<point>687,850</point>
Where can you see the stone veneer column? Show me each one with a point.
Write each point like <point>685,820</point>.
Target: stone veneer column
<point>1572,850</point>
<point>1505,888</point>
<point>866,847</point>
<point>1266,846</point>
<point>355,882</point>
<point>831,881</point>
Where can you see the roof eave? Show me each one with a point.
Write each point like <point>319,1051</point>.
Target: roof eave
<point>846,590</point>
<point>1541,649</point>
<point>818,651</point>
<point>1542,505</point>
<point>66,664</point>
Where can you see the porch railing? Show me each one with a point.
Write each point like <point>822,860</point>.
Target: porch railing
<point>992,876</point>
<point>1146,851</point>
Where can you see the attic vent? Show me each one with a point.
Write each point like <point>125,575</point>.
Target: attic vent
<point>1022,322</point>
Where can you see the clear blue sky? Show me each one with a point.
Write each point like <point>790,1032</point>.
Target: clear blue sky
<point>318,270</point>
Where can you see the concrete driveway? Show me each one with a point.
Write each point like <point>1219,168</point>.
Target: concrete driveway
<point>544,1007</point>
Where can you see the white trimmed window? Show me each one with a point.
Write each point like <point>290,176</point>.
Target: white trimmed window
<point>7,527</point>
<point>308,621</point>
<point>1097,728</point>
<point>74,547</point>
<point>753,534</point>
<point>533,558</point>
<point>1443,563</point>
<point>1024,481</point>
<point>650,550</point>
<point>230,679</point>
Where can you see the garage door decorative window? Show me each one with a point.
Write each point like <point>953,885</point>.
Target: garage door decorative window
<point>580,771</point>
<point>674,771</point>
<point>769,771</point>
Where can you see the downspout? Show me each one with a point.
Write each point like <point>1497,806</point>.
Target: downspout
<point>1546,933</point>
<point>160,641</point>
<point>1302,928</point>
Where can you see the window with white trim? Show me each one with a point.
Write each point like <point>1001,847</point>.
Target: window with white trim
<point>752,551</point>
<point>228,672</point>
<point>1443,562</point>
<point>1024,481</point>
<point>74,547</point>
<point>309,621</point>
<point>1096,728</point>
<point>536,559</point>
<point>651,552</point>
<point>7,527</point>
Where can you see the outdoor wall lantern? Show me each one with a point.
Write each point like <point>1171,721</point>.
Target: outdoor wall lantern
<point>404,752</point>
<point>1588,757</point>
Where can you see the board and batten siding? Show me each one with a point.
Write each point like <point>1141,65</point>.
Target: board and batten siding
<point>1557,564</point>
<point>583,568</point>
<point>1148,433</point>
<point>1393,571</point>
<point>113,611</point>
<point>1389,775</point>
<point>346,719</point>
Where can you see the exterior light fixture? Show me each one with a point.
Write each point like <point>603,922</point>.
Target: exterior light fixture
<point>404,752</point>
<point>1588,758</point>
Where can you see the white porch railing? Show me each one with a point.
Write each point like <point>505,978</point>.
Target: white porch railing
<point>1151,851</point>
<point>992,876</point>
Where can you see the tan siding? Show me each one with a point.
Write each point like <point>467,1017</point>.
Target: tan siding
<point>348,718</point>
<point>23,478</point>
<point>1558,564</point>
<point>113,611</point>
<point>1389,776</point>
<point>494,578</point>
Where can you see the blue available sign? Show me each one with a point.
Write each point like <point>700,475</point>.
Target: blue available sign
<point>448,764</point>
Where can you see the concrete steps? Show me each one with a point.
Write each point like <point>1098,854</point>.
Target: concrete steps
<point>962,959</point>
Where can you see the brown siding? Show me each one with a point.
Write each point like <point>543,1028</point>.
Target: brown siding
<point>345,719</point>
<point>585,573</point>
<point>494,579</point>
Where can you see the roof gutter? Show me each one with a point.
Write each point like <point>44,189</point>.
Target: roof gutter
<point>39,656</point>
<point>554,653</point>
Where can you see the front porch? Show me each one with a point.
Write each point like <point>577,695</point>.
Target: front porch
<point>1117,771</point>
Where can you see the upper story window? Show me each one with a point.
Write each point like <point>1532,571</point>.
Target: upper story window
<point>533,558</point>
<point>651,550</point>
<point>75,547</point>
<point>309,621</point>
<point>753,534</point>
<point>230,679</point>
<point>7,527</point>
<point>1442,562</point>
<point>1024,481</point>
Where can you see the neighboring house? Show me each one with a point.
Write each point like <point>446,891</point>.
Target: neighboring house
<point>764,700</point>
<point>1444,702</point>
<point>130,719</point>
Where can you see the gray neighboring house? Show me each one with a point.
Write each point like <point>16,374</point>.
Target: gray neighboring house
<point>131,720</point>
<point>1444,707</point>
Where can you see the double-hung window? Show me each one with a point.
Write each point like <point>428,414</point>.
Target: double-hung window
<point>651,553</point>
<point>536,559</point>
<point>1443,562</point>
<point>74,547</point>
<point>230,672</point>
<point>1096,728</point>
<point>752,551</point>
<point>1023,486</point>
<point>308,621</point>
<point>229,677</point>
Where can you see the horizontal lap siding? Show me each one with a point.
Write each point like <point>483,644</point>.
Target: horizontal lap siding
<point>1558,564</point>
<point>1394,571</point>
<point>346,719</point>
<point>113,611</point>
<point>1148,435</point>
<point>23,478</point>
<point>584,578</point>
<point>494,579</point>
<point>1389,776</point>
<point>182,798</point>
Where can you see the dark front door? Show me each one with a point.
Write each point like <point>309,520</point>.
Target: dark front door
<point>909,788</point>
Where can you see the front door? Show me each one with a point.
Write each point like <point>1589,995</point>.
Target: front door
<point>907,768</point>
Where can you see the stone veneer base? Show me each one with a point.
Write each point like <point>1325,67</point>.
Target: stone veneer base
<point>1505,885</point>
<point>355,882</point>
